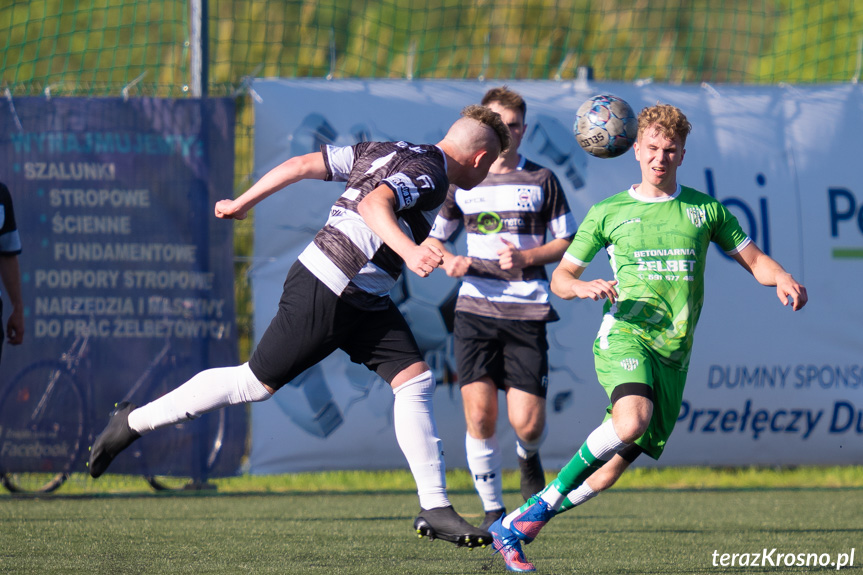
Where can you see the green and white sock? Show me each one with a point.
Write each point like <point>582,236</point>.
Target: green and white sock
<point>599,447</point>
<point>582,494</point>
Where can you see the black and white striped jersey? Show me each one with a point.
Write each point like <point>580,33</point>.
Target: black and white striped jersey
<point>346,255</point>
<point>519,207</point>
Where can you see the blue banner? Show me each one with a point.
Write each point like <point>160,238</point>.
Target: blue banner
<point>127,276</point>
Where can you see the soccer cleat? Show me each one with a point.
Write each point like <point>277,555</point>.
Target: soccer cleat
<point>532,476</point>
<point>491,517</point>
<point>527,524</point>
<point>116,437</point>
<point>507,544</point>
<point>444,523</point>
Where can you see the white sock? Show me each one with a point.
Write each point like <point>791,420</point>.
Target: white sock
<point>485,462</point>
<point>416,433</point>
<point>207,391</point>
<point>581,494</point>
<point>525,449</point>
<point>603,441</point>
<point>552,496</point>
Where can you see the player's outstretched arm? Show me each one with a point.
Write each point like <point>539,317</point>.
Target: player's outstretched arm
<point>378,210</point>
<point>768,272</point>
<point>306,167</point>
<point>565,284</point>
<point>454,265</point>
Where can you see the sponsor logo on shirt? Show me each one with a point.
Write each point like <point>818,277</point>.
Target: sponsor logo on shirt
<point>415,149</point>
<point>425,181</point>
<point>492,223</point>
<point>407,198</point>
<point>405,189</point>
<point>489,223</point>
<point>665,252</point>
<point>668,263</point>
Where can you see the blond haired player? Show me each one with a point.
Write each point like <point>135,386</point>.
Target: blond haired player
<point>656,234</point>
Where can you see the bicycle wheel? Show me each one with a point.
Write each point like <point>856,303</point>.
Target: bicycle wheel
<point>179,457</point>
<point>42,423</point>
<point>213,425</point>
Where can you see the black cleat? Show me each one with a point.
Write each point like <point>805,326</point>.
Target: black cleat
<point>116,437</point>
<point>491,517</point>
<point>532,476</point>
<point>444,523</point>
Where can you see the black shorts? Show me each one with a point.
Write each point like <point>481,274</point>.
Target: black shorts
<point>513,353</point>
<point>312,322</point>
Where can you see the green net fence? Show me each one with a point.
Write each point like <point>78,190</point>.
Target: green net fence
<point>144,47</point>
<point>669,41</point>
<point>98,47</point>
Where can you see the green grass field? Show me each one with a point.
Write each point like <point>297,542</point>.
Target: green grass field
<point>654,521</point>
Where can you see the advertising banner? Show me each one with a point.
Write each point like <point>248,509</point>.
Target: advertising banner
<point>127,276</point>
<point>765,385</point>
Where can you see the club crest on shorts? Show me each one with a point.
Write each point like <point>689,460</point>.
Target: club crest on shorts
<point>629,364</point>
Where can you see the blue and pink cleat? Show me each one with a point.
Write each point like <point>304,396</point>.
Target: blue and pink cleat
<point>508,545</point>
<point>526,526</point>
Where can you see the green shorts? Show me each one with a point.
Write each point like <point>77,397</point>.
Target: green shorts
<point>628,360</point>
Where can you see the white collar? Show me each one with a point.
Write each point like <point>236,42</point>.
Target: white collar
<point>633,193</point>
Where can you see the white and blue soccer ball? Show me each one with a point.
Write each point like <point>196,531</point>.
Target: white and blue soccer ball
<point>605,126</point>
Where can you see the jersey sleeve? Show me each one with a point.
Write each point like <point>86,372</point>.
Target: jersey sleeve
<point>727,232</point>
<point>339,161</point>
<point>561,222</point>
<point>587,241</point>
<point>421,183</point>
<point>448,219</point>
<point>10,241</point>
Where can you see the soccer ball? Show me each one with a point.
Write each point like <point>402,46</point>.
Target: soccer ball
<point>605,126</point>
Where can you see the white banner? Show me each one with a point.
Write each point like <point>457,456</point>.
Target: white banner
<point>765,386</point>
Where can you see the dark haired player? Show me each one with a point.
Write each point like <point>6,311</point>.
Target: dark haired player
<point>503,307</point>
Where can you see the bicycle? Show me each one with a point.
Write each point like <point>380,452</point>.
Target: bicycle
<point>45,427</point>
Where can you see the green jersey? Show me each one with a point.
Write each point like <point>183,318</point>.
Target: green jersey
<point>657,248</point>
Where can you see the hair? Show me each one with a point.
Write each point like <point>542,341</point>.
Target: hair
<point>506,98</point>
<point>669,121</point>
<point>491,119</point>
